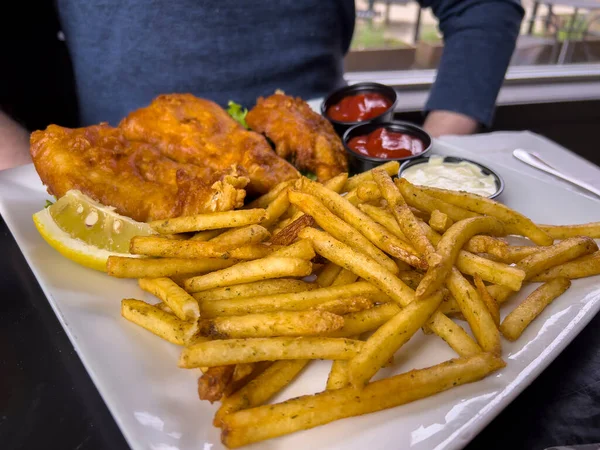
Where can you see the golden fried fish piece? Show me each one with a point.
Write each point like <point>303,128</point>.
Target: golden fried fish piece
<point>133,177</point>
<point>299,134</point>
<point>197,131</point>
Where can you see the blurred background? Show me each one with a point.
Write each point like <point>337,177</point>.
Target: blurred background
<point>398,35</point>
<point>552,86</point>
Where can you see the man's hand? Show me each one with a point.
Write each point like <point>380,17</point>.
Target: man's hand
<point>439,123</point>
<point>14,143</point>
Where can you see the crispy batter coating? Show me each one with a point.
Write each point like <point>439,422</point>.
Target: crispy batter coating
<point>192,130</point>
<point>299,134</point>
<point>133,177</point>
<point>215,382</point>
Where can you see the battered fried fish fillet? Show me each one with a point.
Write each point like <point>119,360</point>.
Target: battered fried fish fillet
<point>133,177</point>
<point>192,130</point>
<point>299,134</point>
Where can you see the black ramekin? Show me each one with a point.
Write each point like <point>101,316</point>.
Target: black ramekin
<point>453,159</point>
<point>354,89</point>
<point>360,163</point>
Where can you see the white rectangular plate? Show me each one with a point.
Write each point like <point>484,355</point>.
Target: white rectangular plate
<point>156,405</point>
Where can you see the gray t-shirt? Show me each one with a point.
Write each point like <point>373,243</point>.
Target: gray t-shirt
<point>126,52</point>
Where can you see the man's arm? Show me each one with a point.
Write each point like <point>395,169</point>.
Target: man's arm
<point>14,143</point>
<point>479,40</point>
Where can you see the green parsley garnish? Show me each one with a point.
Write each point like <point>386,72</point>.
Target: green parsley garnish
<point>238,113</point>
<point>308,174</point>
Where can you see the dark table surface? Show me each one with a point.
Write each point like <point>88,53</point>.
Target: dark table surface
<point>48,401</point>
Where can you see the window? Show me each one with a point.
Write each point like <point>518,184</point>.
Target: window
<point>398,43</point>
<point>399,35</point>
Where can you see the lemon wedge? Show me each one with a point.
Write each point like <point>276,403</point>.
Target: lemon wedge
<point>87,232</point>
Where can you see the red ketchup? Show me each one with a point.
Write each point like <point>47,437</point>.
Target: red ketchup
<point>386,144</point>
<point>359,107</point>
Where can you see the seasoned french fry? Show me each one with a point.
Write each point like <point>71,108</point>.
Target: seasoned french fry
<point>289,234</point>
<point>261,389</point>
<point>206,235</point>
<point>385,219</point>
<point>448,306</point>
<point>391,168</point>
<point>404,216</point>
<point>370,319</point>
<point>252,251</point>
<point>123,267</point>
<point>345,305</point>
<point>266,287</point>
<point>433,236</point>
<point>264,200</point>
<point>564,251</point>
<point>296,301</point>
<point>340,229</point>
<point>377,234</point>
<point>236,351</point>
<point>249,271</point>
<point>210,221</point>
<point>490,271</point>
<point>178,237</point>
<point>363,266</point>
<point>489,301</point>
<point>302,249</point>
<point>453,334</point>
<point>242,371</point>
<point>269,421</point>
<point>162,324</point>
<point>338,375</point>
<point>402,266</point>
<point>336,184</point>
<point>345,277</point>
<point>506,253</point>
<point>276,209</point>
<point>183,304</point>
<point>281,323</point>
<point>392,335</point>
<point>328,274</point>
<point>159,246</point>
<point>515,323</point>
<point>515,253</point>
<point>440,221</point>
<point>241,236</point>
<point>352,197</point>
<point>591,230</point>
<point>411,278</point>
<point>499,293</point>
<point>479,318</point>
<point>584,266</point>
<point>164,307</point>
<point>417,198</point>
<point>420,214</point>
<point>449,247</point>
<point>514,222</point>
<point>368,191</point>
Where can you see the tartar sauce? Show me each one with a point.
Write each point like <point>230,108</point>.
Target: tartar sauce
<point>462,176</point>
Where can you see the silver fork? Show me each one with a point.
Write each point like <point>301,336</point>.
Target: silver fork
<point>534,160</point>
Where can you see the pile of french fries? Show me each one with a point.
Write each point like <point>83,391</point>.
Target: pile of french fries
<point>346,271</point>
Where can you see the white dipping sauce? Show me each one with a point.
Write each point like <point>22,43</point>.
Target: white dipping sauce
<point>462,176</point>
